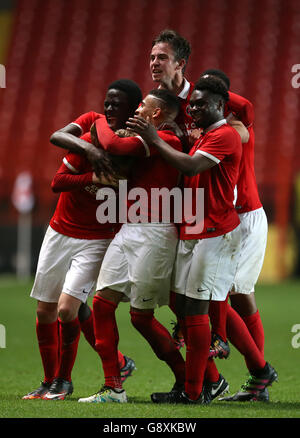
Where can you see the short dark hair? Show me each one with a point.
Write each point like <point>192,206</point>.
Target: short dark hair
<point>132,90</point>
<point>180,46</point>
<point>169,99</point>
<point>214,85</point>
<point>219,74</point>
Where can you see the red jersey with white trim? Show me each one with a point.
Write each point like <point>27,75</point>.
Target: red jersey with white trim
<point>223,145</point>
<point>75,213</point>
<point>149,171</point>
<point>86,120</point>
<point>247,191</point>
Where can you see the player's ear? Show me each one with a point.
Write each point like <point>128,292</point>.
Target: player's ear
<point>156,113</point>
<point>220,105</point>
<point>181,64</point>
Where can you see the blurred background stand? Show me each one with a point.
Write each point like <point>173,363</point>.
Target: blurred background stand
<point>23,201</point>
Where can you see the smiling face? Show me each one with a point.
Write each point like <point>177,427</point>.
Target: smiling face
<point>116,109</point>
<point>163,66</point>
<point>205,108</point>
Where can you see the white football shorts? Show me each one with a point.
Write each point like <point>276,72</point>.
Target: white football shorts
<point>139,263</point>
<point>67,265</point>
<point>204,268</point>
<point>254,227</point>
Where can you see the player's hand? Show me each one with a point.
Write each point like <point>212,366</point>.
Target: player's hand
<point>100,162</point>
<point>110,181</point>
<point>172,126</point>
<point>143,128</point>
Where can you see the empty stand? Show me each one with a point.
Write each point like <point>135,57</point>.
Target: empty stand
<point>62,58</point>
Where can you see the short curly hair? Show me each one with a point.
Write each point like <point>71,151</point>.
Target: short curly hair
<point>131,88</point>
<point>214,85</point>
<point>219,74</point>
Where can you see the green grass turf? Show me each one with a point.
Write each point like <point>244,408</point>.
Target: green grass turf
<point>20,366</point>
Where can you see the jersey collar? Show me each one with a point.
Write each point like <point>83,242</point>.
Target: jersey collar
<point>185,91</point>
<point>215,125</point>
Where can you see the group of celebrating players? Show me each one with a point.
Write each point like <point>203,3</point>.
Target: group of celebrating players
<point>180,135</point>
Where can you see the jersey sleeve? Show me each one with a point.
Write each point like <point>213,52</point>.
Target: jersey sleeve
<point>75,163</point>
<point>116,145</point>
<point>218,145</point>
<point>68,177</point>
<point>85,121</point>
<point>242,108</point>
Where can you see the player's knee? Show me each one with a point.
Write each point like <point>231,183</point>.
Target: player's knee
<point>46,313</point>
<point>66,313</point>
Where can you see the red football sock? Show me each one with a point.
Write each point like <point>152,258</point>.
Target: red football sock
<point>218,315</point>
<point>255,327</point>
<point>239,336</point>
<point>211,373</point>
<point>69,336</point>
<point>198,343</point>
<point>107,339</point>
<point>160,341</point>
<point>47,335</point>
<point>87,328</point>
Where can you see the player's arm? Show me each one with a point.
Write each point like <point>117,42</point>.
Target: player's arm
<point>242,108</point>
<point>188,165</point>
<point>119,145</point>
<point>83,146</point>
<point>67,178</point>
<point>68,138</point>
<point>239,127</point>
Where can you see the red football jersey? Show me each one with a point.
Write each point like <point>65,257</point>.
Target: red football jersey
<point>75,213</point>
<point>223,145</point>
<point>86,120</point>
<point>247,191</point>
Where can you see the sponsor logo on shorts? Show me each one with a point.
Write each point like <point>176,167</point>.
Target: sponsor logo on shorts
<point>85,291</point>
<point>147,299</point>
<point>201,290</point>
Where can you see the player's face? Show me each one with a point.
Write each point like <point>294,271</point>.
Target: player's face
<point>163,66</point>
<point>203,108</point>
<point>147,107</point>
<point>116,109</point>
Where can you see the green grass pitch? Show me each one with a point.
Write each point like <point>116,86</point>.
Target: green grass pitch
<point>21,371</point>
